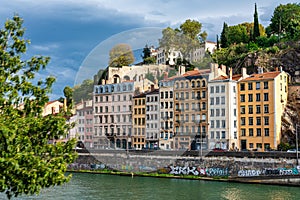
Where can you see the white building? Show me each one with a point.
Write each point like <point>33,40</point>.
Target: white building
<point>166,113</point>
<point>222,115</point>
<point>152,119</point>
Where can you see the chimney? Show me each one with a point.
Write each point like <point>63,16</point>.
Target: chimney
<point>280,69</point>
<point>181,70</point>
<point>230,73</point>
<point>260,70</point>
<point>244,72</point>
<point>102,81</point>
<point>152,87</point>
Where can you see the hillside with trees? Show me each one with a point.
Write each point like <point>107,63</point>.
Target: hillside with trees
<point>250,45</point>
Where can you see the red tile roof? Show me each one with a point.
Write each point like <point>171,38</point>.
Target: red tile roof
<point>263,76</point>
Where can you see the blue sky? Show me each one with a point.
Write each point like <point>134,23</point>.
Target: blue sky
<point>78,34</point>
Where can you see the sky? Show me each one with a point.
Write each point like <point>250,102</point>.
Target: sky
<point>78,34</point>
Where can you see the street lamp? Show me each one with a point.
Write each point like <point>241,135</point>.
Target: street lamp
<point>297,144</point>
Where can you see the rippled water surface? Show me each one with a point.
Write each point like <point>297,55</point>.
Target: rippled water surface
<point>97,186</point>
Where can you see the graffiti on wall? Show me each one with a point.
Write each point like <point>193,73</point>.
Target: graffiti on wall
<point>269,172</point>
<point>177,170</point>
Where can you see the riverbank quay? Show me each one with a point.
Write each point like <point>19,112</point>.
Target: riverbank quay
<point>277,168</point>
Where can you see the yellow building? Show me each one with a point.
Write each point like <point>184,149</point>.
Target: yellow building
<point>261,101</point>
<point>139,116</point>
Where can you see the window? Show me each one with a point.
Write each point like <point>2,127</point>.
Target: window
<point>266,86</point>
<point>266,108</point>
<point>217,112</point>
<point>212,89</point>
<point>251,132</point>
<point>166,94</point>
<point>250,121</point>
<point>243,132</point>
<point>217,89</point>
<point>258,120</point>
<point>212,135</point>
<point>217,134</point>
<point>217,123</point>
<point>251,145</point>
<point>266,120</point>
<point>223,112</point>
<point>250,109</point>
<point>212,124</point>
<point>212,101</point>
<point>257,85</point>
<point>222,100</point>
<point>267,132</point>
<point>223,124</point>
<point>242,98</point>
<point>250,97</point>
<point>203,106</point>
<point>203,94</point>
<point>243,121</point>
<point>258,109</point>
<point>250,86</point>
<point>217,100</point>
<point>212,113</point>
<point>243,110</point>
<point>223,88</point>
<point>258,97</point>
<point>242,86</point>
<point>162,95</point>
<point>258,132</point>
<point>266,96</point>
<point>223,134</point>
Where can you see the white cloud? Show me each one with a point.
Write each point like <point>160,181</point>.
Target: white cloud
<point>45,47</point>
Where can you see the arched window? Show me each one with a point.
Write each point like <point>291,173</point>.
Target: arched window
<point>203,83</point>
<point>106,89</point>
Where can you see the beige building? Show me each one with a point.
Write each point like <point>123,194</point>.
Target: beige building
<point>138,121</point>
<point>113,115</point>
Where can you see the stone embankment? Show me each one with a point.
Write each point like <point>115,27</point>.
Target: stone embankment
<point>248,167</point>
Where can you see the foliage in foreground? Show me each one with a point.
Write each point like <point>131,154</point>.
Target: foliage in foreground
<point>28,162</point>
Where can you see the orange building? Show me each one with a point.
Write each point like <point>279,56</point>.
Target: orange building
<point>261,101</point>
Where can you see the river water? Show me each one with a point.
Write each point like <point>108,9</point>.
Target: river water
<point>106,187</point>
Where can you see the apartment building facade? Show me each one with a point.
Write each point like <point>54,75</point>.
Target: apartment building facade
<point>166,114</point>
<point>113,115</point>
<point>261,102</point>
<point>152,119</point>
<point>139,122</point>
<point>223,112</point>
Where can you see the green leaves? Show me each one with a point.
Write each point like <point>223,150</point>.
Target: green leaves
<point>28,162</point>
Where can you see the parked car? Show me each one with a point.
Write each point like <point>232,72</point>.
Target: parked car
<point>218,150</point>
<point>292,150</point>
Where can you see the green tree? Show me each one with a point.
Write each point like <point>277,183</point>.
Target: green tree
<point>121,55</point>
<point>237,34</point>
<point>224,36</point>
<point>283,18</point>
<point>147,58</point>
<point>27,162</point>
<point>68,93</point>
<point>256,25</point>
<point>83,91</point>
<point>184,39</point>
